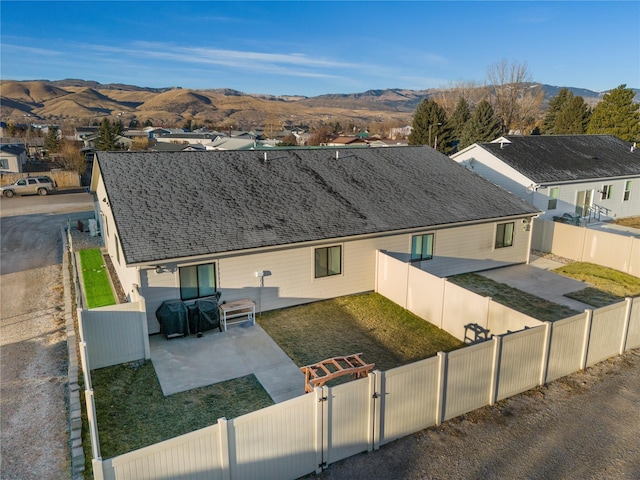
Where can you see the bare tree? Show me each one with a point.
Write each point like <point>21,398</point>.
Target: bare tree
<point>72,158</point>
<point>272,126</point>
<point>516,104</point>
<point>319,135</point>
<point>449,96</point>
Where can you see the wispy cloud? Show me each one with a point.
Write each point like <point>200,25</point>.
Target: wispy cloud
<point>292,64</point>
<point>8,48</point>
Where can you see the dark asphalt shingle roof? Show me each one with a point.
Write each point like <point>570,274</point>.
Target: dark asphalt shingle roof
<point>561,158</point>
<point>169,205</point>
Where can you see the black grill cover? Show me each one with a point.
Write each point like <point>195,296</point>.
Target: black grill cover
<point>208,315</point>
<point>173,318</point>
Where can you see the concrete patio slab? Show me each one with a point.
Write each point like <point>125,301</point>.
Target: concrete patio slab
<point>186,363</point>
<point>537,279</point>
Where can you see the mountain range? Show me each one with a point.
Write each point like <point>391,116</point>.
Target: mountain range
<point>83,102</point>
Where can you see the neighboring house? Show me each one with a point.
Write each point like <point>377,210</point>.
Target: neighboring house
<point>13,158</point>
<point>597,175</point>
<point>233,143</point>
<point>175,147</point>
<point>34,145</point>
<point>191,138</point>
<point>84,133</point>
<point>287,227</point>
<point>154,132</point>
<point>343,141</point>
<point>387,143</point>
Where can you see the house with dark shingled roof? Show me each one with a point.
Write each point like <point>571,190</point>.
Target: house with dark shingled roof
<point>595,176</point>
<point>287,227</point>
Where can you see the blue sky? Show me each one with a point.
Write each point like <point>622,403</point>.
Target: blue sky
<point>312,48</point>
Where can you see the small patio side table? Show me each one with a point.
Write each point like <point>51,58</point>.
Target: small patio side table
<point>236,309</point>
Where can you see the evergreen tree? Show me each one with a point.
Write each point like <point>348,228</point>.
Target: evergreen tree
<point>458,119</point>
<point>108,134</point>
<point>52,141</point>
<point>617,115</point>
<point>430,124</point>
<point>556,105</point>
<point>573,118</point>
<point>481,127</point>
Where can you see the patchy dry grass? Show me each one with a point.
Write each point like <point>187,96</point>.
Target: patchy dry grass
<point>518,300</point>
<point>133,413</point>
<point>633,222</point>
<point>609,286</point>
<point>386,334</point>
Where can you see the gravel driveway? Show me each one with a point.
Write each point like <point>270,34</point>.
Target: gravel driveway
<point>33,353</point>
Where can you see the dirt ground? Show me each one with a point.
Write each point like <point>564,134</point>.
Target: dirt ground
<point>583,426</point>
<point>34,425</point>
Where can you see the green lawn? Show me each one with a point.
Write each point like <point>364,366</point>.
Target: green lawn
<point>518,300</point>
<point>133,413</point>
<point>609,286</point>
<point>95,279</point>
<point>385,333</point>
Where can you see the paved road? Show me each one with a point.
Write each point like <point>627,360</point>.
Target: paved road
<point>33,359</point>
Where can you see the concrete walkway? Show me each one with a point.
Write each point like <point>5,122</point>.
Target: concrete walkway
<point>186,363</point>
<point>537,279</point>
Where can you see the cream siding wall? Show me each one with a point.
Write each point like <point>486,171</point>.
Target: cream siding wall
<point>471,248</point>
<point>128,276</point>
<point>567,195</point>
<point>496,171</point>
<point>14,162</point>
<point>479,161</point>
<point>290,280</point>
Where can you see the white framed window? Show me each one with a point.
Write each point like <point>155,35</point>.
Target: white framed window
<point>606,192</point>
<point>197,281</point>
<point>422,247</point>
<point>627,191</point>
<point>328,261</point>
<point>504,234</point>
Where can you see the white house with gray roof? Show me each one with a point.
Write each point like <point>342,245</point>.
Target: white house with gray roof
<point>185,224</point>
<point>13,158</point>
<point>597,175</point>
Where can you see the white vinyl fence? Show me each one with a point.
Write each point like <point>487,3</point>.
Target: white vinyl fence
<point>465,315</point>
<point>307,433</point>
<point>583,244</point>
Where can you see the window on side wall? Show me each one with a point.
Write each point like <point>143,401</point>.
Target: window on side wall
<point>627,191</point>
<point>553,198</point>
<point>328,261</point>
<point>422,247</point>
<point>197,281</point>
<point>504,234</point>
<point>606,192</point>
<point>117,250</point>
